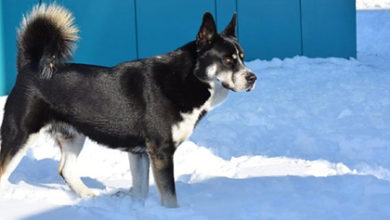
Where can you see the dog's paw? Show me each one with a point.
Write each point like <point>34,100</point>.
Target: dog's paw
<point>169,201</point>
<point>86,194</point>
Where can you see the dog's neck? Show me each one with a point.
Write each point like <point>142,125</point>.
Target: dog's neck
<point>182,86</point>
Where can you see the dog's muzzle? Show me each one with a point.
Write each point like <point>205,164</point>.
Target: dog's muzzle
<point>251,80</point>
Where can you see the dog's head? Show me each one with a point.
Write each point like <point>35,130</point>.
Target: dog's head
<point>220,56</point>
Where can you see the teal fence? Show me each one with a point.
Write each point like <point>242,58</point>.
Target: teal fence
<point>114,31</point>
<point>2,60</point>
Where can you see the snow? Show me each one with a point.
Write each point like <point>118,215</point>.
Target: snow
<point>372,4</point>
<point>312,141</point>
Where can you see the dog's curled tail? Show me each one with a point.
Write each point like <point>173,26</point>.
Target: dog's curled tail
<point>46,38</point>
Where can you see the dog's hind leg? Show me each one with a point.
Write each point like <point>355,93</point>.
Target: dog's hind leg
<point>12,151</point>
<point>71,145</point>
<point>139,167</point>
<point>24,116</point>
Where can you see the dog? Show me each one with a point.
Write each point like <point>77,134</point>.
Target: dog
<point>146,107</point>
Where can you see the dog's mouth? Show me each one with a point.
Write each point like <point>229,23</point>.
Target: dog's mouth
<point>251,87</point>
<point>226,86</point>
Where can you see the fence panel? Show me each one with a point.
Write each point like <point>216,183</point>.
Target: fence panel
<point>11,16</point>
<point>166,25</point>
<point>107,30</point>
<point>122,30</point>
<point>269,29</point>
<point>329,28</point>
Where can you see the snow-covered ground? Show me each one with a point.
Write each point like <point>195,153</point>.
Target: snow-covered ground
<point>372,4</point>
<point>312,141</point>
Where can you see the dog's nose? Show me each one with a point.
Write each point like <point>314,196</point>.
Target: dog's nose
<point>251,78</point>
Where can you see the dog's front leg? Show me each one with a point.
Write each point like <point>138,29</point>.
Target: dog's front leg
<point>161,156</point>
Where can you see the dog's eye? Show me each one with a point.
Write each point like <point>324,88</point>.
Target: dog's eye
<point>242,55</point>
<point>228,60</point>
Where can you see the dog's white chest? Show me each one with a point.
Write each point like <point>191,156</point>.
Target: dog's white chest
<point>183,129</point>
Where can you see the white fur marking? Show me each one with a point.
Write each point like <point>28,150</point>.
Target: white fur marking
<point>219,94</point>
<point>211,71</point>
<point>226,78</point>
<point>71,148</point>
<point>240,81</point>
<point>183,129</point>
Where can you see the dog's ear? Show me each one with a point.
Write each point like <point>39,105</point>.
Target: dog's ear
<point>230,30</point>
<point>207,32</point>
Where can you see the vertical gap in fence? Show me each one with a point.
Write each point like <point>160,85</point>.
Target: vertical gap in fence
<point>216,11</point>
<point>301,26</point>
<point>136,30</point>
<point>238,23</point>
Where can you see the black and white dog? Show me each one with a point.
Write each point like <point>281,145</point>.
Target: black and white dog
<point>146,107</point>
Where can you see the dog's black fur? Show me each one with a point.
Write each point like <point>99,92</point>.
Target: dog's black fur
<point>132,106</point>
